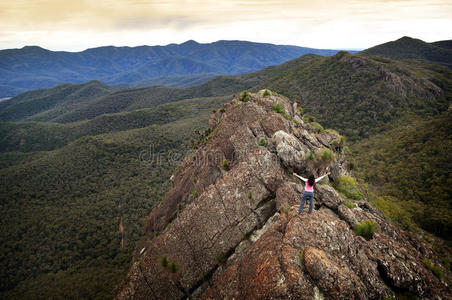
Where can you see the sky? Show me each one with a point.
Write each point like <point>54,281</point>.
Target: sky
<point>75,25</point>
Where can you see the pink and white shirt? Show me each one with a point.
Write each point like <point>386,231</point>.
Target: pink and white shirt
<point>308,187</point>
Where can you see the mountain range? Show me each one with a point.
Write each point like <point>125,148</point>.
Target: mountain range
<point>33,67</point>
<point>79,161</point>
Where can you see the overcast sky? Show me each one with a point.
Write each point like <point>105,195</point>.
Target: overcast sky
<point>75,25</point>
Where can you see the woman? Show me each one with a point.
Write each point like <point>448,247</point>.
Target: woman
<point>309,190</point>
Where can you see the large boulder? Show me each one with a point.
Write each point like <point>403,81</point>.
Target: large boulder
<point>290,150</point>
<point>327,195</point>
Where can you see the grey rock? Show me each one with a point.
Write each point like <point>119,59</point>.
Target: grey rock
<point>290,150</point>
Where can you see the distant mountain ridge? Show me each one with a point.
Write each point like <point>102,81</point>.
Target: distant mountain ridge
<point>408,48</point>
<point>34,102</point>
<point>44,108</point>
<point>329,87</point>
<point>33,67</point>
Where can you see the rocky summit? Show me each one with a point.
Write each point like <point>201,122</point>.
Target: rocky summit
<point>229,228</point>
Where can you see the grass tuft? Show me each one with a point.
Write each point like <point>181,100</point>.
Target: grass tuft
<point>300,110</point>
<point>347,187</point>
<point>318,127</point>
<point>278,108</point>
<point>349,204</point>
<point>194,192</point>
<point>164,261</point>
<point>326,155</point>
<point>245,96</point>
<point>365,229</point>
<point>225,164</point>
<point>435,269</point>
<point>262,142</point>
<point>173,267</point>
<point>308,118</point>
<point>300,257</point>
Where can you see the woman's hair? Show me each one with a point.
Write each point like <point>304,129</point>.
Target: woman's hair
<point>311,180</point>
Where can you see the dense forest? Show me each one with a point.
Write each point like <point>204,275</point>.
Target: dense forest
<point>359,96</point>
<point>408,167</point>
<point>64,206</point>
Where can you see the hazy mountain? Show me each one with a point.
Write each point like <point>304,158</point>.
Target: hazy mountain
<point>43,106</point>
<point>33,67</point>
<point>409,48</point>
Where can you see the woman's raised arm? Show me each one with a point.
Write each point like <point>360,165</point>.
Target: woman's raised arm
<point>302,178</point>
<point>321,177</point>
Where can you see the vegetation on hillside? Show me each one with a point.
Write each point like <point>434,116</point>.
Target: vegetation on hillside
<point>56,99</point>
<point>408,169</point>
<point>44,136</point>
<point>64,206</point>
<point>359,95</point>
<point>409,48</point>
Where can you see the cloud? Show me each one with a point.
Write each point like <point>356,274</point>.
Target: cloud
<point>152,22</point>
<point>325,24</point>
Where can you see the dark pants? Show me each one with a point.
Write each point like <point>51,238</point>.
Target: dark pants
<point>309,195</point>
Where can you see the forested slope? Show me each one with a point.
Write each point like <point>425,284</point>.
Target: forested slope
<point>360,95</point>
<point>409,168</point>
<point>414,49</point>
<point>64,206</point>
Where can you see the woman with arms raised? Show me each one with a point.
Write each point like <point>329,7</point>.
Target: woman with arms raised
<point>309,190</point>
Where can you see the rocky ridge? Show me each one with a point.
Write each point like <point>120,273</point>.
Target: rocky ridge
<point>229,227</point>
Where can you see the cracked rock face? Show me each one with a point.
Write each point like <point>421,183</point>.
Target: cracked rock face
<point>240,235</point>
<point>290,150</point>
<point>333,275</point>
